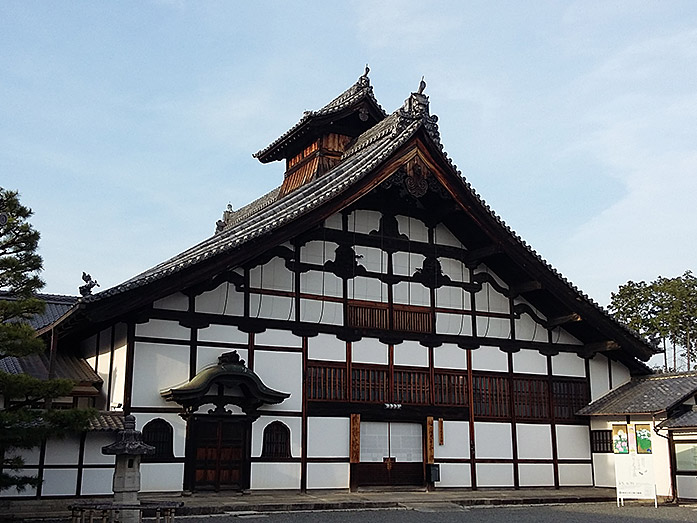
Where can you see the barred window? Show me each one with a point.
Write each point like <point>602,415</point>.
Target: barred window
<point>490,396</point>
<point>326,383</point>
<point>369,384</point>
<point>411,387</point>
<point>531,398</point>
<point>276,441</point>
<point>450,388</point>
<point>601,441</point>
<point>160,435</point>
<point>569,397</point>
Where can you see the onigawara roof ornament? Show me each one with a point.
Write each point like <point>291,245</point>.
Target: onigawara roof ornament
<point>86,289</point>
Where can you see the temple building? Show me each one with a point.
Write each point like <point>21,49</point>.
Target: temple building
<point>369,322</point>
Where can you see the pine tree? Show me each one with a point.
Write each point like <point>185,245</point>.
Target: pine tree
<point>25,420</point>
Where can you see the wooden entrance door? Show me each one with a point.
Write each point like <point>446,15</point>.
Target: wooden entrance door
<point>220,453</point>
<point>391,454</point>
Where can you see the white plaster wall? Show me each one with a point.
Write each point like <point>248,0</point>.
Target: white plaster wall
<point>326,347</point>
<point>599,376</point>
<point>488,327</point>
<point>493,440</point>
<point>573,442</point>
<point>271,307</point>
<point>370,289</point>
<point>321,284</point>
<point>328,475</point>
<point>222,334</point>
<point>449,356</point>
<point>411,353</point>
<point>293,423</point>
<point>559,335</point>
<point>173,302</point>
<point>604,469</point>
<point>620,374</point>
<point>369,350</point>
<point>687,487</point>
<point>575,474</point>
<point>163,329</point>
<point>453,298</point>
<point>364,221</point>
<point>494,475</point>
<point>88,348</point>
<point>93,448</point>
<point>161,477</point>
<point>315,311</point>
<point>536,474</point>
<point>281,371</point>
<point>410,293</point>
<point>118,376</point>
<point>489,358</point>
<point>59,482</point>
<point>30,456</point>
<point>454,475</point>
<point>456,440</point>
<point>534,441</point>
<point>568,364</point>
<point>275,476</point>
<point>224,299</point>
<point>273,275</point>
<point>334,221</point>
<point>413,228</point>
<point>443,236</point>
<point>63,451</point>
<point>157,367</point>
<point>178,428</point>
<point>208,356</point>
<point>374,260</point>
<point>527,329</point>
<point>328,437</point>
<point>528,361</point>
<point>457,324</point>
<point>103,361</point>
<point>489,299</point>
<point>318,252</point>
<point>97,481</point>
<point>406,263</point>
<point>277,338</point>
<point>454,269</point>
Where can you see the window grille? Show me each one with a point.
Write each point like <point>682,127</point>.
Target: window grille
<point>160,435</point>
<point>276,441</point>
<point>601,441</point>
<point>450,388</point>
<point>569,397</point>
<point>531,398</point>
<point>490,395</point>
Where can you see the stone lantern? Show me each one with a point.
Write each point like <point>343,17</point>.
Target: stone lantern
<point>128,449</point>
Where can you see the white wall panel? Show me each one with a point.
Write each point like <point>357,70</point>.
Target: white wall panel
<point>93,448</point>
<point>281,371</point>
<point>411,353</point>
<point>224,299</point>
<point>222,334</point>
<point>410,293</point>
<point>527,329</point>
<point>118,376</point>
<point>528,361</point>
<point>104,359</point>
<point>493,440</point>
<point>413,228</point>
<point>489,299</point>
<point>97,481</point>
<point>559,335</point>
<point>277,338</point>
<point>175,421</point>
<point>326,347</point>
<point>456,440</point>
<point>374,260</point>
<point>489,358</point>
<point>458,324</point>
<point>328,437</point>
<point>455,475</point>
<point>453,298</point>
<point>568,364</point>
<point>604,470</point>
<point>575,475</point>
<point>573,442</point>
<point>293,423</point>
<point>271,307</point>
<point>334,221</point>
<point>443,236</point>
<point>328,475</point>
<point>687,487</point>
<point>620,374</point>
<point>493,327</point>
<point>599,376</point>
<point>454,269</point>
<point>173,302</point>
<point>534,441</point>
<point>273,275</point>
<point>27,492</point>
<point>369,350</point>
<point>363,221</point>
<point>494,475</point>
<point>406,263</point>
<point>326,312</point>
<point>275,476</point>
<point>536,475</point>
<point>30,456</point>
<point>59,482</point>
<point>208,356</point>
<point>163,329</point>
<point>449,356</point>
<point>318,252</point>
<point>161,477</point>
<point>321,284</point>
<point>158,367</point>
<point>370,289</point>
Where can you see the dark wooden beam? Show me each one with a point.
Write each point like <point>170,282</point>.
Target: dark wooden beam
<point>526,286</point>
<point>561,320</point>
<point>475,256</point>
<point>589,349</point>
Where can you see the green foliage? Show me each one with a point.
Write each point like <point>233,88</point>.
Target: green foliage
<point>665,309</point>
<point>25,420</point>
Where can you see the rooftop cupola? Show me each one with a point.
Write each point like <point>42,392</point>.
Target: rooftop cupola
<point>315,144</point>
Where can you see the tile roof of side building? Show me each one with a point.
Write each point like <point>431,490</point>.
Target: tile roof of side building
<point>56,306</point>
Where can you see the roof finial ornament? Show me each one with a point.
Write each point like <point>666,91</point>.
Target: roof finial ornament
<point>86,289</point>
<point>364,81</point>
<point>422,86</point>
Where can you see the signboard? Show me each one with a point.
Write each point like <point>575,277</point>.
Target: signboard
<point>634,478</point>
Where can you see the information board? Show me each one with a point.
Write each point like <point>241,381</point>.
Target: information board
<point>634,476</point>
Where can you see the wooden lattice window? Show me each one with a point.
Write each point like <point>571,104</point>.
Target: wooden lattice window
<point>531,398</point>
<point>160,435</point>
<point>326,383</point>
<point>601,441</point>
<point>368,316</point>
<point>490,396</point>
<point>569,397</point>
<point>411,386</point>
<point>412,319</point>
<point>450,388</point>
<point>405,318</point>
<point>369,384</point>
<point>276,441</point>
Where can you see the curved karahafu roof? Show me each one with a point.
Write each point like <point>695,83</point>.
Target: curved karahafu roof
<point>238,385</point>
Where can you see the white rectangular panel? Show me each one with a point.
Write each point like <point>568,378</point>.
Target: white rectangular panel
<point>493,440</point>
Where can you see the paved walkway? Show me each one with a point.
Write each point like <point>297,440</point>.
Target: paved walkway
<point>274,501</point>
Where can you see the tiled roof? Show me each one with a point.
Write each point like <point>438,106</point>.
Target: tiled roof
<point>37,365</point>
<point>645,395</point>
<point>106,421</point>
<point>56,306</point>
<point>682,421</point>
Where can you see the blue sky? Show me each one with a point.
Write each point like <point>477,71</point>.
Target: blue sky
<point>129,126</point>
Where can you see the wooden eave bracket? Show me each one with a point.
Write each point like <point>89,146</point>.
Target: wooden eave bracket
<point>528,286</point>
<point>562,320</point>
<point>590,349</point>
